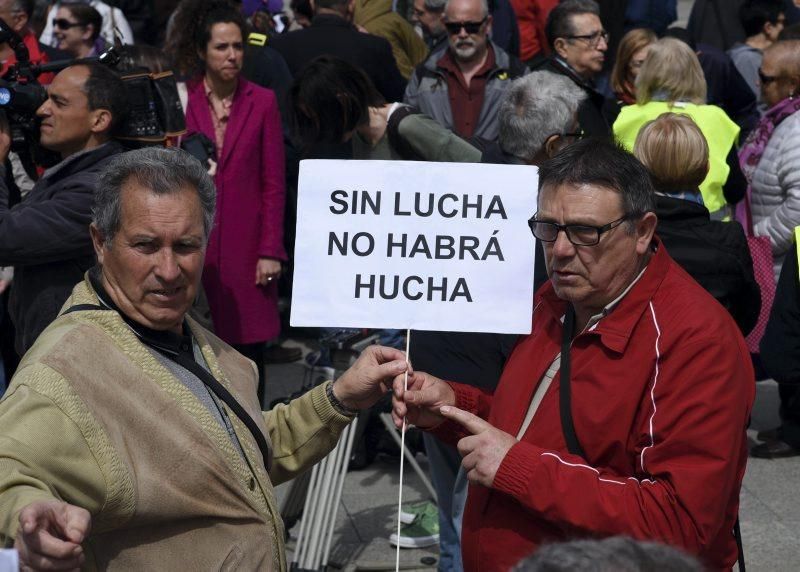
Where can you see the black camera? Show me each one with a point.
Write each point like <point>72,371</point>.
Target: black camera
<point>155,111</point>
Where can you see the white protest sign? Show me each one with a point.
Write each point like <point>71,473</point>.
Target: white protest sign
<point>426,246</point>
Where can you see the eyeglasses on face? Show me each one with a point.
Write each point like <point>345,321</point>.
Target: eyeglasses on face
<point>454,28</point>
<point>592,39</point>
<point>64,24</point>
<point>577,234</point>
<point>573,136</point>
<point>766,79</point>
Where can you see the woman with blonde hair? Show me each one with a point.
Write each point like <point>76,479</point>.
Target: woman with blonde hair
<point>714,253</point>
<point>671,80</point>
<point>632,51</point>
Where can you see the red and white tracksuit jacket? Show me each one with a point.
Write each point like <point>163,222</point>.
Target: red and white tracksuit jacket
<point>662,389</point>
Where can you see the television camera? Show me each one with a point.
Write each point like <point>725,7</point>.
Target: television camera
<point>154,108</point>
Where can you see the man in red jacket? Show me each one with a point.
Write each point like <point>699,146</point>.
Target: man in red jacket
<point>646,436</point>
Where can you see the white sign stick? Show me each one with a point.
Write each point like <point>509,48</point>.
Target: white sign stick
<point>402,456</point>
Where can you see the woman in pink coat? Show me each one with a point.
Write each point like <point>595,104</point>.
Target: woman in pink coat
<point>245,250</point>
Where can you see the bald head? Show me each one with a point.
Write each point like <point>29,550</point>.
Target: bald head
<point>785,57</point>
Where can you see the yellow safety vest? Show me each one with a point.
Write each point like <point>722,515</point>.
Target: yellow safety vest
<point>797,241</point>
<point>720,133</point>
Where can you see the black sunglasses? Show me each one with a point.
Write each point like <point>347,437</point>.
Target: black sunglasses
<point>766,79</point>
<point>454,28</point>
<point>64,24</point>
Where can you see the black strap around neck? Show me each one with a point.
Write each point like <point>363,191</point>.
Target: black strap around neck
<point>564,395</point>
<point>209,380</point>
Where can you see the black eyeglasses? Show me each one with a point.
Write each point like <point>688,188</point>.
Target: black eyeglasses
<point>577,234</point>
<point>454,28</point>
<point>592,39</point>
<point>573,135</point>
<point>766,79</point>
<point>64,24</point>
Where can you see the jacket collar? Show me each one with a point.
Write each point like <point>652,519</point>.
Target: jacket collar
<point>673,208</point>
<point>502,62</point>
<point>558,65</point>
<point>615,329</point>
<point>81,160</point>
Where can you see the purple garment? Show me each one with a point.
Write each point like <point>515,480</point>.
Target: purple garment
<point>250,7</point>
<point>753,149</point>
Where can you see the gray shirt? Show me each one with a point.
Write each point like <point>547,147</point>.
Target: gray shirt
<point>748,61</point>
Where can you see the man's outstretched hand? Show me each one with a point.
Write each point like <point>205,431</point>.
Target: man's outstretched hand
<point>420,404</point>
<point>50,535</point>
<point>484,449</point>
<point>370,377</point>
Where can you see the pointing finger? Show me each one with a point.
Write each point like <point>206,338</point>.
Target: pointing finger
<point>467,420</point>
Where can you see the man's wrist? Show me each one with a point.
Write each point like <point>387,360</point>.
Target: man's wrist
<point>340,407</point>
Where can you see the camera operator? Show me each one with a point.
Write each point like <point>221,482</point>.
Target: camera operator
<point>46,236</point>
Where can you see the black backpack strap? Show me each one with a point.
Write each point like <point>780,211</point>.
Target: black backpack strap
<point>564,393</point>
<point>81,308</point>
<point>211,382</point>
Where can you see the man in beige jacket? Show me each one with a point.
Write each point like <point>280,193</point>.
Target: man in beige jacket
<point>131,438</point>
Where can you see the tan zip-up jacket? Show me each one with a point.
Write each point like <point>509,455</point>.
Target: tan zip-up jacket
<point>92,418</point>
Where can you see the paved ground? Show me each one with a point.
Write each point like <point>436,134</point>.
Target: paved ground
<point>770,513</point>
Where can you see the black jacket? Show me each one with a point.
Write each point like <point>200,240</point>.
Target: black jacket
<point>780,346</point>
<point>590,114</point>
<point>714,253</point>
<point>46,239</point>
<point>716,22</point>
<point>334,36</point>
<point>264,66</point>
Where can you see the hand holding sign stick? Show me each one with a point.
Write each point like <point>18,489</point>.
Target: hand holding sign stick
<point>428,246</point>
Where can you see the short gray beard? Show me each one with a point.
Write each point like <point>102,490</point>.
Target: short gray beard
<point>465,52</point>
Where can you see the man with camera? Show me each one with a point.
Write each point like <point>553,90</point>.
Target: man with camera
<point>46,236</point>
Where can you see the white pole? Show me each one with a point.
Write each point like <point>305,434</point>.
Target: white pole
<point>343,473</point>
<point>402,456</point>
<point>305,520</point>
<point>331,472</point>
<point>327,468</point>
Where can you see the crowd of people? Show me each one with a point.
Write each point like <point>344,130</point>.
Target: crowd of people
<point>141,277</point>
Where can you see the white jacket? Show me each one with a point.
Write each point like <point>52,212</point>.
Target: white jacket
<point>776,189</point>
<point>112,18</point>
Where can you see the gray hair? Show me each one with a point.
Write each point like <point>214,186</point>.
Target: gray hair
<point>162,171</point>
<point>618,554</point>
<point>535,107</point>
<point>435,5</point>
<point>559,21</point>
<point>484,7</point>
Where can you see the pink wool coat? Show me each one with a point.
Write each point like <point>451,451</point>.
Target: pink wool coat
<point>250,207</point>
